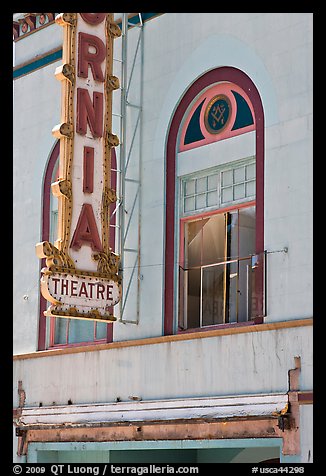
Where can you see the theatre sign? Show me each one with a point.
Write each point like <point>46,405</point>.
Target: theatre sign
<point>81,279</point>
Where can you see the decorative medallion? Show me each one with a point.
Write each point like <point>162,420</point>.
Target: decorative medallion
<point>217,114</point>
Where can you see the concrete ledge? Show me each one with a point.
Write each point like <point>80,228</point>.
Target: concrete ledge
<point>233,329</point>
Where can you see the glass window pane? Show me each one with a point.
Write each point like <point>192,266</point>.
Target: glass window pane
<point>60,330</point>
<point>231,292</point>
<point>183,276</point>
<point>193,242</point>
<point>101,330</point>
<point>232,228</point>
<point>227,178</point>
<point>239,191</point>
<point>227,194</point>
<point>81,331</point>
<point>247,231</point>
<point>214,239</point>
<point>250,171</point>
<point>212,198</point>
<point>212,182</point>
<point>201,185</point>
<point>193,298</point>
<point>189,204</point>
<point>257,305</point>
<point>190,187</point>
<point>243,295</point>
<point>201,201</point>
<point>213,295</point>
<point>54,226</point>
<point>239,175</point>
<point>250,188</point>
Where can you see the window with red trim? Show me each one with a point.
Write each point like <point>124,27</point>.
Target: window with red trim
<point>61,332</point>
<point>216,276</point>
<point>217,259</point>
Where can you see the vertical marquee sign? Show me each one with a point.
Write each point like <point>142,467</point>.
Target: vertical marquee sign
<point>81,278</point>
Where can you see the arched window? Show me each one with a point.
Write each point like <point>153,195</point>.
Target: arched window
<point>215,205</point>
<point>61,332</point>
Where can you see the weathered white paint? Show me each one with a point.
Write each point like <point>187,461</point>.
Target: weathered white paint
<point>211,408</point>
<point>306,422</point>
<point>256,362</point>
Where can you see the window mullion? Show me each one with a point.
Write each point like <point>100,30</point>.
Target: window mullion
<point>238,266</point>
<point>201,276</point>
<point>201,298</point>
<point>67,330</point>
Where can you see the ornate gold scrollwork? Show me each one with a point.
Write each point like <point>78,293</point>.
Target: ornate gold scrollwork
<point>65,71</point>
<point>113,83</point>
<point>62,187</point>
<point>55,259</point>
<point>63,130</point>
<point>66,19</point>
<point>113,140</point>
<point>72,312</point>
<point>108,263</point>
<point>109,196</point>
<point>114,30</point>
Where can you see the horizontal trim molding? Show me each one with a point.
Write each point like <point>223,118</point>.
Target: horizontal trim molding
<point>170,338</point>
<point>212,408</point>
<point>39,62</point>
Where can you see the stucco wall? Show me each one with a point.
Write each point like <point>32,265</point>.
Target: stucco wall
<point>36,112</point>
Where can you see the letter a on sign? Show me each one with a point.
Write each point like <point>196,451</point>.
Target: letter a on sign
<point>86,230</point>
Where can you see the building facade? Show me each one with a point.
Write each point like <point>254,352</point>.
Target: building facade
<point>210,356</point>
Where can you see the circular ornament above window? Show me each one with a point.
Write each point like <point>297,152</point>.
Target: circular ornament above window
<point>217,114</point>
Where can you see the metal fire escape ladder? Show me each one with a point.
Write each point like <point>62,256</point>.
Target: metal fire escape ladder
<point>128,207</point>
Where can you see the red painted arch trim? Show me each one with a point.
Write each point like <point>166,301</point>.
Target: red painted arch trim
<point>238,77</point>
<point>45,236</point>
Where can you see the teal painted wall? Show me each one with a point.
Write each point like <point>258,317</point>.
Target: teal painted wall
<point>153,456</point>
<point>217,455</point>
<point>210,455</point>
<point>73,456</point>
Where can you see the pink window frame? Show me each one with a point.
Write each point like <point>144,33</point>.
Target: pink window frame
<point>45,233</point>
<point>210,78</point>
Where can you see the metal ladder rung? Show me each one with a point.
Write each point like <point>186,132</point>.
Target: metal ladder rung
<point>133,105</point>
